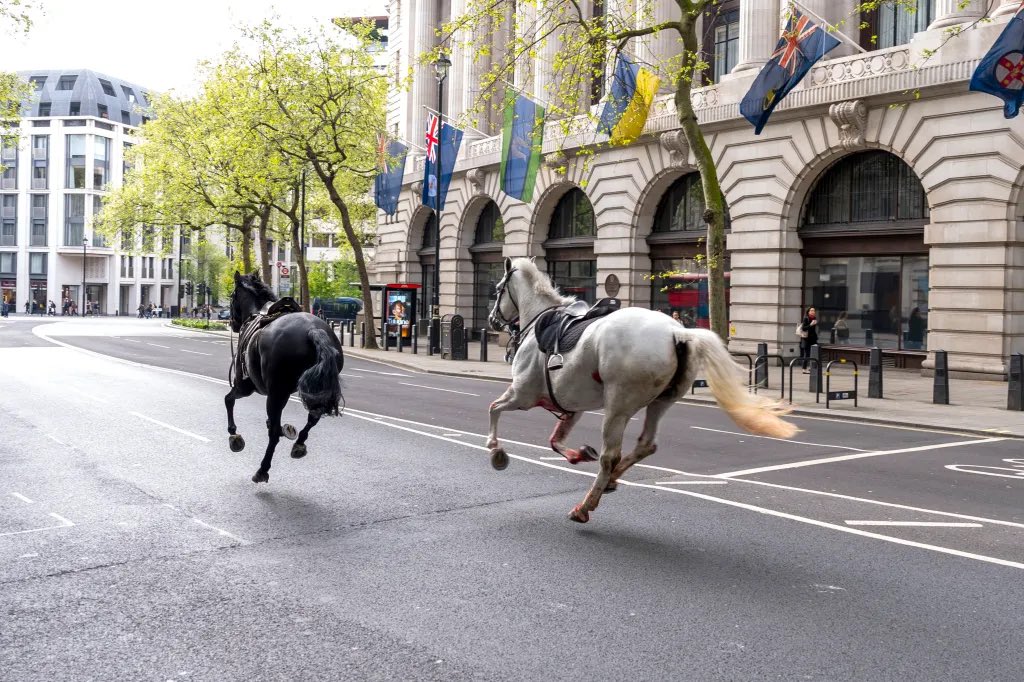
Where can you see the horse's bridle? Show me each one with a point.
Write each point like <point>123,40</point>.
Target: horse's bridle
<point>516,333</point>
<point>502,286</point>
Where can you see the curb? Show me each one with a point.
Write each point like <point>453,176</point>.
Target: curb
<point>799,412</point>
<point>215,332</point>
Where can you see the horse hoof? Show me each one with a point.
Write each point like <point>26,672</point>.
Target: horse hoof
<point>499,459</point>
<point>261,476</point>
<point>298,451</point>
<point>611,487</point>
<point>289,432</point>
<point>236,443</point>
<point>588,454</point>
<point>578,515</point>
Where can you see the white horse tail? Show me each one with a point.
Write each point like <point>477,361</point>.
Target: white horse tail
<point>756,414</point>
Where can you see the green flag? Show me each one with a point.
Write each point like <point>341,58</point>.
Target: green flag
<point>521,144</point>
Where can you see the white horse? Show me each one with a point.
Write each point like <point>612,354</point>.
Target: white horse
<point>631,359</point>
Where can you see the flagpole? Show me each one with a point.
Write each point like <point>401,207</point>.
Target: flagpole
<point>452,122</point>
<point>832,29</point>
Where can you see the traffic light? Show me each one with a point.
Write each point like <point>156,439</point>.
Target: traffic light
<point>188,288</point>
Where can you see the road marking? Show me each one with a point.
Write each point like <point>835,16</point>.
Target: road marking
<point>61,519</point>
<point>451,435</point>
<point>923,524</point>
<point>64,524</point>
<point>22,498</point>
<point>157,345</point>
<point>220,531</point>
<point>132,340</point>
<point>194,352</point>
<point>172,428</point>
<point>1016,471</point>
<point>601,414</point>
<point>387,374</point>
<point>784,440</point>
<point>690,482</point>
<point>56,440</point>
<point>859,455</point>
<point>433,388</point>
<point>553,459</point>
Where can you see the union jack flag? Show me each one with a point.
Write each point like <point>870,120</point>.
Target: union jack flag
<point>787,52</point>
<point>433,136</point>
<point>382,152</point>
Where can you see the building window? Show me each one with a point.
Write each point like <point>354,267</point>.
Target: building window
<point>39,220</point>
<point>97,238</point>
<point>723,21</point>
<point>66,82</point>
<point>127,266</point>
<point>868,187</point>
<point>680,285</point>
<point>681,208</point>
<point>148,238</point>
<point>129,94</point>
<point>40,161</point>
<point>573,217</point>
<point>895,23</point>
<point>102,110</point>
<point>321,240</point>
<point>74,219</point>
<point>9,162</point>
<point>8,264</point>
<point>490,228</point>
<point>37,264</point>
<point>575,277</point>
<point>44,108</point>
<point>9,220</point>
<point>488,265</point>
<point>37,83</point>
<point>101,162</point>
<point>126,118</point>
<point>74,109</point>
<point>75,162</point>
<point>108,89</point>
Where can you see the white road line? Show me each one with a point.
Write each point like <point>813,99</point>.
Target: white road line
<point>784,440</point>
<point>22,498</point>
<point>690,482</point>
<point>434,388</point>
<point>387,374</point>
<point>157,345</point>
<point>351,376</point>
<point>172,428</point>
<point>221,531</point>
<point>552,459</point>
<point>924,524</point>
<point>56,440</point>
<point>61,519</point>
<point>731,503</point>
<point>451,435</point>
<point>131,340</point>
<point>601,414</point>
<point>194,352</point>
<point>35,530</point>
<point>860,455</point>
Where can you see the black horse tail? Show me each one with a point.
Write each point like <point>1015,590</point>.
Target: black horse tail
<point>319,386</point>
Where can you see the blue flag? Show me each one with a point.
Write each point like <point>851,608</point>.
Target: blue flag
<point>444,143</point>
<point>387,185</point>
<point>521,142</point>
<point>1001,70</point>
<point>802,44</point>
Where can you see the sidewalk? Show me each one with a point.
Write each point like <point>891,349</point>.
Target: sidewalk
<point>976,407</point>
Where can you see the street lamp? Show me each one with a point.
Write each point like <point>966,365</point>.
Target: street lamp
<point>441,67</point>
<point>85,243</point>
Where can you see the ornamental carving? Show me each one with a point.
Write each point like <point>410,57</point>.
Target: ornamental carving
<point>851,118</point>
<point>675,142</point>
<point>477,177</point>
<point>557,161</point>
<point>867,65</point>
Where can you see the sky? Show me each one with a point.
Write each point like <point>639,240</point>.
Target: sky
<point>153,43</point>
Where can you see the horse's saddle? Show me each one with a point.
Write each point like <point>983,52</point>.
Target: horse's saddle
<point>256,323</point>
<point>559,329</point>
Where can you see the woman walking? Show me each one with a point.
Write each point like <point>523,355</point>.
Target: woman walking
<point>808,335</point>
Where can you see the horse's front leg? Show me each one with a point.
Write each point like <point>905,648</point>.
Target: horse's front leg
<point>241,389</point>
<point>561,433</point>
<point>299,448</point>
<point>275,406</point>
<point>614,426</point>
<point>511,399</point>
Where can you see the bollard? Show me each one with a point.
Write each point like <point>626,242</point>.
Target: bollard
<point>875,374</point>
<point>362,334</point>
<point>940,391</point>
<point>415,341</point>
<point>761,366</point>
<point>869,337</point>
<point>814,385</point>
<point>483,345</point>
<point>398,339</point>
<point>351,334</point>
<point>832,336</point>
<point>430,339</point>
<point>1015,397</point>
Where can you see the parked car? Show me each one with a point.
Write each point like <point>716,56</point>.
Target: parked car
<point>343,309</point>
<point>224,314</point>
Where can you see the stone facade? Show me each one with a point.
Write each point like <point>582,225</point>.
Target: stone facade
<point>968,159</point>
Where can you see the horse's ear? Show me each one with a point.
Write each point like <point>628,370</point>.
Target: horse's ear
<point>238,277</point>
<point>508,265</point>
<point>533,259</point>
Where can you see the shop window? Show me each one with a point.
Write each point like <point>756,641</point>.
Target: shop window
<point>573,217</point>
<point>488,265</point>
<point>574,277</point>
<point>679,286</point>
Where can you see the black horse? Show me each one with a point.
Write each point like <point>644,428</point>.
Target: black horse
<point>280,354</point>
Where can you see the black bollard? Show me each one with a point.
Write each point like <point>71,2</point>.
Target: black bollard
<point>352,334</point>
<point>814,385</point>
<point>362,334</point>
<point>869,337</point>
<point>398,339</point>
<point>430,340</point>
<point>415,340</point>
<point>761,366</point>
<point>875,374</point>
<point>483,345</point>
<point>940,390</point>
<point>1015,396</point>
<point>832,336</point>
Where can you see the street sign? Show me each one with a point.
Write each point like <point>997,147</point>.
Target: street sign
<point>284,270</point>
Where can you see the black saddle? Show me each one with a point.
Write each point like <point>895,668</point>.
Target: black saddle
<point>256,323</point>
<point>559,329</point>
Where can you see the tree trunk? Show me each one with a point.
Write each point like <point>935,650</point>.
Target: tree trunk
<point>261,230</point>
<point>300,258</point>
<point>246,245</point>
<point>357,252</point>
<point>714,214</point>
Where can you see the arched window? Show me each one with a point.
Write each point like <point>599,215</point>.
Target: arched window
<point>427,265</point>
<point>490,227</point>
<point>573,217</point>
<point>488,267</point>
<point>681,208</point>
<point>430,232</point>
<point>864,188</point>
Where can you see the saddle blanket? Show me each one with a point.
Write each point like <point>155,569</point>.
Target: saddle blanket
<point>564,326</point>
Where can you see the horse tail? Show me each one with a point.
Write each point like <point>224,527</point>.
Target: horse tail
<point>756,414</point>
<point>319,386</point>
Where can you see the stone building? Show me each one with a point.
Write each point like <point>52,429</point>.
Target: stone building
<point>881,188</point>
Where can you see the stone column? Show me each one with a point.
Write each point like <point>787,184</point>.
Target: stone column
<point>454,103</point>
<point>543,72</point>
<point>665,47</point>
<point>424,84</point>
<point>527,27</point>
<point>948,13</point>
<point>1008,7</point>
<point>759,32</point>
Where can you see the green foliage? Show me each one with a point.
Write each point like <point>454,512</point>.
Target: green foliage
<point>199,323</point>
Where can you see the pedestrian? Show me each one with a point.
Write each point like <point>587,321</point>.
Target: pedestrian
<point>53,309</point>
<point>26,307</point>
<point>74,308</point>
<point>3,308</point>
<point>915,330</point>
<point>807,330</point>
<point>842,327</point>
<point>675,316</point>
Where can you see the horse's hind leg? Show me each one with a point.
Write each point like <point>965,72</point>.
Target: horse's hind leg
<point>242,389</point>
<point>645,445</point>
<point>614,426</point>
<point>561,432</point>
<point>275,406</point>
<point>299,448</point>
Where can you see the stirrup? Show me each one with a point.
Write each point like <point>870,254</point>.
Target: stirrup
<point>555,361</point>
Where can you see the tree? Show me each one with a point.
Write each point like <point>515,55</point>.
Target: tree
<point>15,16</point>
<point>508,35</point>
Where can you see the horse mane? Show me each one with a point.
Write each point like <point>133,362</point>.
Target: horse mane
<point>539,281</point>
<point>257,288</point>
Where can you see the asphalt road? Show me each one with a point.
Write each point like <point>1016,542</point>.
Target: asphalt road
<point>134,546</point>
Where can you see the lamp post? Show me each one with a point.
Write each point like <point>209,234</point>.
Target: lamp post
<point>181,249</point>
<point>441,67</point>
<point>85,243</point>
